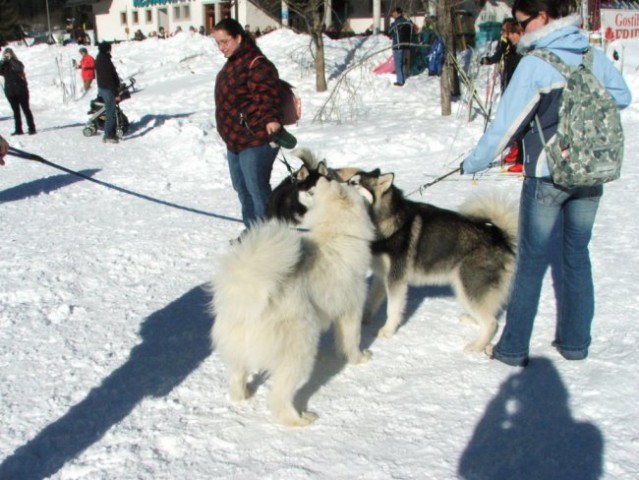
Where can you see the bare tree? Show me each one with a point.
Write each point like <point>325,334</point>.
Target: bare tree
<point>308,15</point>
<point>446,27</point>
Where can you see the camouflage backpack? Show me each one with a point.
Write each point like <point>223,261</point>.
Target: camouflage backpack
<point>588,146</point>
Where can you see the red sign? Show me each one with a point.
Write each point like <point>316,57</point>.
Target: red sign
<point>619,24</point>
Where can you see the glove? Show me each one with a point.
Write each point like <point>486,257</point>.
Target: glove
<point>461,168</point>
<point>283,138</point>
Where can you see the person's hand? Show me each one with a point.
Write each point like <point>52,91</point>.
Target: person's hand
<point>273,127</point>
<point>4,148</point>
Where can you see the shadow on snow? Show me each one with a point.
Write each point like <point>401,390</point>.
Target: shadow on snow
<point>527,432</point>
<point>43,185</point>
<point>175,340</point>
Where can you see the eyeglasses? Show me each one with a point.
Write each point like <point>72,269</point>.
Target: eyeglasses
<point>524,23</point>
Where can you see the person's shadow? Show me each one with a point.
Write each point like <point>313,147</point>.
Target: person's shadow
<point>43,186</point>
<point>175,340</point>
<point>527,432</point>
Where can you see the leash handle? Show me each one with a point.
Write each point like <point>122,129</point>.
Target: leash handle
<point>439,179</point>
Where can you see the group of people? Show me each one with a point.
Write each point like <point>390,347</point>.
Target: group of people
<point>248,115</point>
<point>163,34</point>
<point>247,118</point>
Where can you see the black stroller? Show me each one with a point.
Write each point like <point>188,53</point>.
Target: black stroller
<point>98,113</point>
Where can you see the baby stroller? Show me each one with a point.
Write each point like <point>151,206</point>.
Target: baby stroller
<point>98,113</point>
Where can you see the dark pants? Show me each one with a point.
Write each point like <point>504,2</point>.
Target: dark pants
<point>17,102</point>
<point>110,124</point>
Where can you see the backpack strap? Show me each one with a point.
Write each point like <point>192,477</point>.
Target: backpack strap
<point>255,60</point>
<point>563,68</point>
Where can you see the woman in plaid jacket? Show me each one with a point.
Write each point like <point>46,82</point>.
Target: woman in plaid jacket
<point>247,112</point>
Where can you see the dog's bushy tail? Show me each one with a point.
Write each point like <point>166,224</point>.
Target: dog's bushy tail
<point>498,207</point>
<point>253,271</point>
<point>307,157</point>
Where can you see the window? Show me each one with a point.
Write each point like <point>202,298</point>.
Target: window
<point>123,18</point>
<point>136,18</point>
<point>149,16</point>
<point>176,13</point>
<point>186,12</point>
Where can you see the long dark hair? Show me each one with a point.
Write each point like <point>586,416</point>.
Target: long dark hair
<point>233,28</point>
<point>554,8</point>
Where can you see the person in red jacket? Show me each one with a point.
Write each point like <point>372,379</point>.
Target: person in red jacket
<point>87,67</point>
<point>247,113</point>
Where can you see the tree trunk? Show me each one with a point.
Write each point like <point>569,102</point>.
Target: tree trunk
<point>320,67</point>
<point>445,26</point>
<point>318,41</point>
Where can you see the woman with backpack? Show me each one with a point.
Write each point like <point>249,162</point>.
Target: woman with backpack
<point>535,92</point>
<point>247,112</point>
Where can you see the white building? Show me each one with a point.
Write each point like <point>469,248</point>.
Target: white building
<point>120,19</point>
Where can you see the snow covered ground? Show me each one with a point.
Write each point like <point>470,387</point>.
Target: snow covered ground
<point>106,367</point>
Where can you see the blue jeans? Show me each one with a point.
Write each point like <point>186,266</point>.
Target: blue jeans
<point>251,178</point>
<point>545,208</point>
<point>109,104</point>
<point>399,58</point>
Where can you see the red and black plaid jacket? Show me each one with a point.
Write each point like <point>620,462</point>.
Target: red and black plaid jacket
<point>246,88</point>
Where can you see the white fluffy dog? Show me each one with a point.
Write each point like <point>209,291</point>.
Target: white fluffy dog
<point>279,289</point>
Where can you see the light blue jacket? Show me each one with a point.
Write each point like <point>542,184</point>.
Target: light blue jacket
<point>535,89</point>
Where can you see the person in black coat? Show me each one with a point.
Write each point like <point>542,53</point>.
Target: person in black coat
<point>16,90</point>
<point>401,31</point>
<point>108,89</point>
<point>506,52</point>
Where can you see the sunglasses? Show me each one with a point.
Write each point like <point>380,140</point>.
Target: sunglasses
<point>524,23</point>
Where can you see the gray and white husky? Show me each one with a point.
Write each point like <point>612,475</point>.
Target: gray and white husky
<point>277,290</point>
<point>472,250</point>
<point>284,203</point>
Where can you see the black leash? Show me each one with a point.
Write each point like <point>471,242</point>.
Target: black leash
<point>291,172</point>
<point>31,156</point>
<point>439,179</point>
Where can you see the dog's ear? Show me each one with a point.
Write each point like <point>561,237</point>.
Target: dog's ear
<point>302,173</point>
<point>375,173</point>
<point>386,181</point>
<point>322,169</point>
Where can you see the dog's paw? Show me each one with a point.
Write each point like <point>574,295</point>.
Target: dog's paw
<point>488,350</point>
<point>303,420</point>
<point>365,356</point>
<point>386,332</point>
<point>239,395</point>
<point>474,347</point>
<point>467,319</point>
